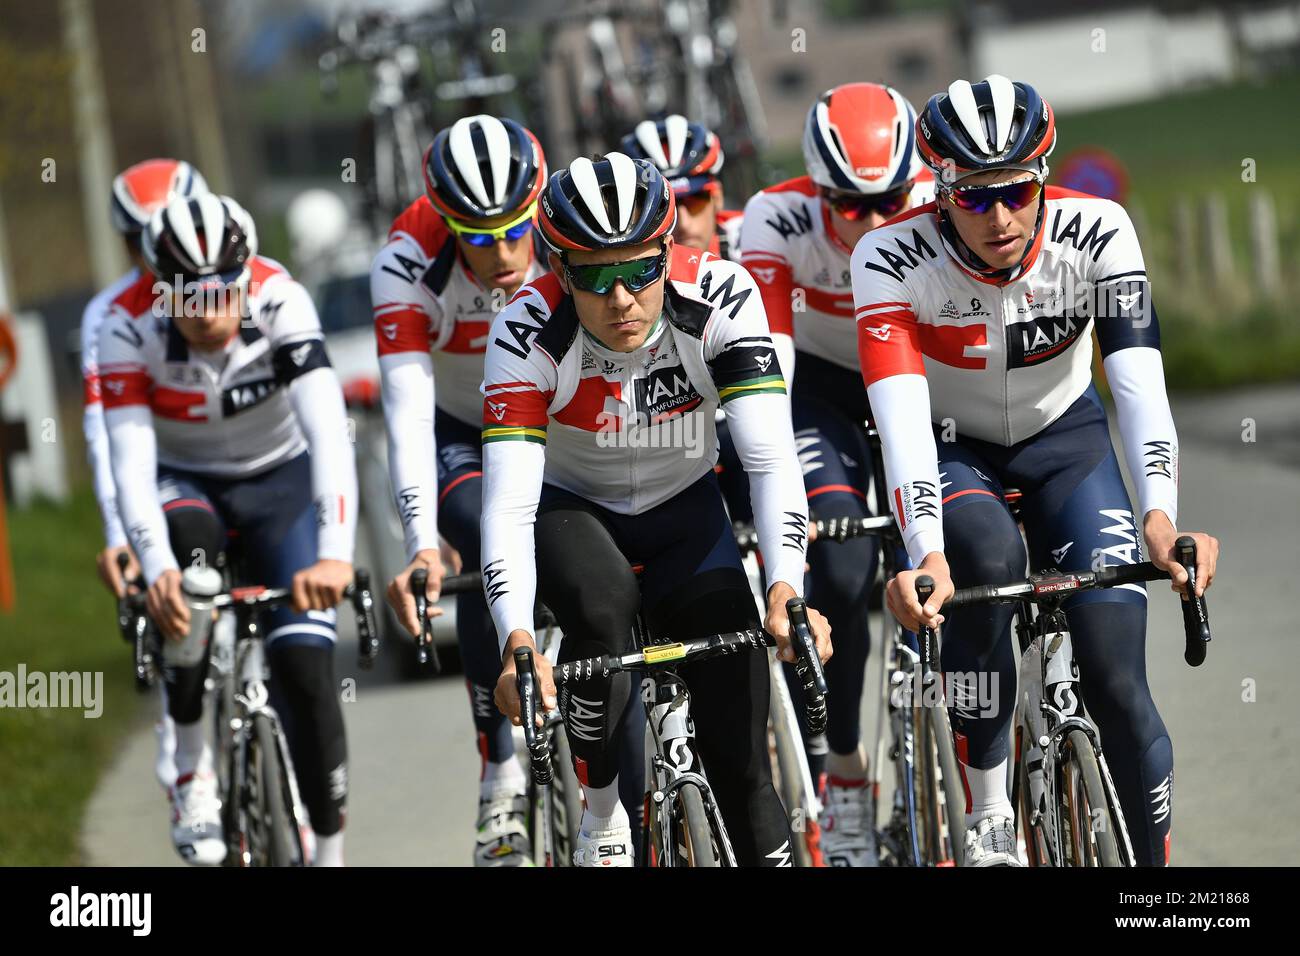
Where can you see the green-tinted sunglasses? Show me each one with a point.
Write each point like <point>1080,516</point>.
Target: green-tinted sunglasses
<point>599,278</point>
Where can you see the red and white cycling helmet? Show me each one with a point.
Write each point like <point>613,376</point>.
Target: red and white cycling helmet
<point>861,137</point>
<point>141,190</point>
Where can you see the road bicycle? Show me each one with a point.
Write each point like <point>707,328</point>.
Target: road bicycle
<point>683,825</point>
<point>1068,807</point>
<point>262,816</point>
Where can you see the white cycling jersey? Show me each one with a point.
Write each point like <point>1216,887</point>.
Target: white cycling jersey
<point>431,327</point>
<point>92,419</point>
<point>265,398</point>
<point>1002,360</point>
<point>630,430</point>
<point>788,243</point>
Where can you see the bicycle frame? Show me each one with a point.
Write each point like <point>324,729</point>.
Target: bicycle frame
<point>1061,705</point>
<point>250,698</point>
<point>672,761</point>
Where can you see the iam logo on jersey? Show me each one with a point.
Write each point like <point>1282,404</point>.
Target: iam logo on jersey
<point>665,392</point>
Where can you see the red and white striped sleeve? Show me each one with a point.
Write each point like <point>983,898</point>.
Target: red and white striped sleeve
<point>519,381</point>
<point>893,371</point>
<point>403,330</point>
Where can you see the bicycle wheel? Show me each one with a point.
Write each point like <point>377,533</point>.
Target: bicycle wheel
<point>566,800</point>
<point>694,825</point>
<point>273,830</point>
<point>1085,813</point>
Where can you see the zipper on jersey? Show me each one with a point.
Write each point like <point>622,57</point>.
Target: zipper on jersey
<point>1006,364</point>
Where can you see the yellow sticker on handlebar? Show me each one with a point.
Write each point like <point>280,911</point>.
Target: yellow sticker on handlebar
<point>665,652</point>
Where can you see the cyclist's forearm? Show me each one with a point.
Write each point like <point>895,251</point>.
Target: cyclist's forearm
<point>1146,425</point>
<point>512,485</point>
<point>764,439</point>
<point>409,393</point>
<point>318,404</point>
<point>101,468</point>
<point>901,407</point>
<point>135,472</point>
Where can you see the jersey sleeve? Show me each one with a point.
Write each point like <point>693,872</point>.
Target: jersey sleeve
<point>92,423</point>
<point>402,320</point>
<point>133,447</point>
<point>764,253</point>
<point>301,364</point>
<point>1128,334</point>
<point>518,384</point>
<point>746,372</point>
<point>402,334</point>
<point>893,371</point>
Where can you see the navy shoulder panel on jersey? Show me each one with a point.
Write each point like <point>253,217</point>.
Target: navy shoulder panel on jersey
<point>686,315</point>
<point>438,274</point>
<point>560,331</point>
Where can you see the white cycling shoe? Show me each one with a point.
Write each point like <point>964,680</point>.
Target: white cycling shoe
<point>503,832</point>
<point>611,846</point>
<point>848,837</point>
<point>196,820</point>
<point>992,842</point>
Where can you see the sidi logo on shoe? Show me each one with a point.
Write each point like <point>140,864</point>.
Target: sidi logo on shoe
<point>75,909</point>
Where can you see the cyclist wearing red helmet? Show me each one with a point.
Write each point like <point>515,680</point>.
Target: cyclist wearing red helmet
<point>860,153</point>
<point>453,259</point>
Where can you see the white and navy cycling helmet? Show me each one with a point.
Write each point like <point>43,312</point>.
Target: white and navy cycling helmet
<point>204,239</point>
<point>482,166</point>
<point>607,203</point>
<point>141,190</point>
<point>993,124</point>
<point>689,155</point>
<point>860,137</point>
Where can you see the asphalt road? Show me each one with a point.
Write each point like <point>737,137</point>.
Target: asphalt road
<point>1235,721</point>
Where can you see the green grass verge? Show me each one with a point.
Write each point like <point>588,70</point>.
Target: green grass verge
<point>50,760</point>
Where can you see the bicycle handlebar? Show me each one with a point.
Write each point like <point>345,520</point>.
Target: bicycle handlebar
<point>425,647</point>
<point>539,754</point>
<point>1040,588</point>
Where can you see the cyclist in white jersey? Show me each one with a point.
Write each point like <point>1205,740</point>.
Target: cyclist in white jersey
<point>973,314</point>
<point>225,419</point>
<point>599,389</point>
<point>453,259</point>
<point>138,192</point>
<point>860,152</point>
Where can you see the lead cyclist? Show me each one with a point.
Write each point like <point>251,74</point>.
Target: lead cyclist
<point>973,315</point>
